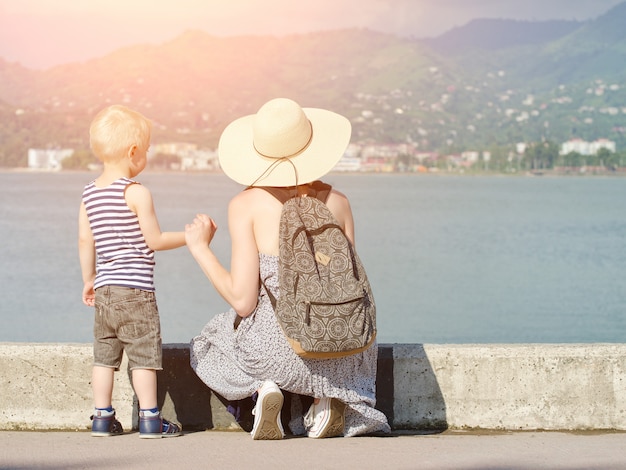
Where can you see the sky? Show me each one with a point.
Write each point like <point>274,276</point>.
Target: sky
<point>43,33</point>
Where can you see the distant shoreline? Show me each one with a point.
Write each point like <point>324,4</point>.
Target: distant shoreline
<point>545,173</point>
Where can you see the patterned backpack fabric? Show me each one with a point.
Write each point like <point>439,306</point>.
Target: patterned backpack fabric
<point>325,307</point>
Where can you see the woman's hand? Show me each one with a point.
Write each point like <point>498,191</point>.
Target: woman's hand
<point>200,232</point>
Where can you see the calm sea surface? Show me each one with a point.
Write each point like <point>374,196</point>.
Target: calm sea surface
<point>451,259</point>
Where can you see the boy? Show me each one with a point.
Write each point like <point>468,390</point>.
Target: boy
<point>118,232</point>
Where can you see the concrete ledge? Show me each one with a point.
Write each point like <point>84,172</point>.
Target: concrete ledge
<point>419,387</point>
<point>510,386</point>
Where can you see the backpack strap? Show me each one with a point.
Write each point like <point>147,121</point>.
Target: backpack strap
<point>316,189</point>
<point>273,299</point>
<point>319,190</point>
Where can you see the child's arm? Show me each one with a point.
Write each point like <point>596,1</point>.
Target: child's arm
<point>87,256</point>
<point>139,200</point>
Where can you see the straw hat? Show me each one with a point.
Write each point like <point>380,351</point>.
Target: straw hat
<point>283,144</point>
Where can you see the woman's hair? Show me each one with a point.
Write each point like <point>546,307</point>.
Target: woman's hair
<point>116,129</point>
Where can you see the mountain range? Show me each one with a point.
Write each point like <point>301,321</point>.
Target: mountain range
<point>486,85</point>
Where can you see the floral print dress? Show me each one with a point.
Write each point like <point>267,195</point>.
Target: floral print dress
<point>235,363</point>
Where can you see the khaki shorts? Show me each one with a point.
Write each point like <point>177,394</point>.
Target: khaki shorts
<point>127,319</point>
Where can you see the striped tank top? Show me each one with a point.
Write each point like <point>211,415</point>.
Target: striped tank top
<point>122,255</point>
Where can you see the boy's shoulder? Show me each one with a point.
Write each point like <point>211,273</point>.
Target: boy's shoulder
<point>135,187</point>
<point>122,181</point>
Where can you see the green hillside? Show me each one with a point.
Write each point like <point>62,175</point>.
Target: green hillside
<point>570,83</point>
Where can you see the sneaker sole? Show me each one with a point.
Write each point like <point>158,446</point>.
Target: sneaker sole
<point>159,435</point>
<point>335,424</point>
<point>268,428</point>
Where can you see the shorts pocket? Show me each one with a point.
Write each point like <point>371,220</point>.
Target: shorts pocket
<point>137,318</point>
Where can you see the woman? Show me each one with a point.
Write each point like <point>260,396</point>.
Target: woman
<point>244,351</point>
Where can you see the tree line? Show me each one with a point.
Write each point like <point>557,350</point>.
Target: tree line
<point>546,156</point>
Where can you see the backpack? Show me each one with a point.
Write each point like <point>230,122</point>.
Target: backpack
<point>326,308</point>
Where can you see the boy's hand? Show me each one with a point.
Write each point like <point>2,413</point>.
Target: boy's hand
<point>200,232</point>
<point>89,296</point>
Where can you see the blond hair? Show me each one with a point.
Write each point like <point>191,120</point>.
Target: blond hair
<point>115,129</point>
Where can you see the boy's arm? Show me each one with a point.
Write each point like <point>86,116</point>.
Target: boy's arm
<point>87,256</point>
<point>139,200</point>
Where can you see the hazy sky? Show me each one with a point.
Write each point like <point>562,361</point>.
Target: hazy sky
<point>43,33</point>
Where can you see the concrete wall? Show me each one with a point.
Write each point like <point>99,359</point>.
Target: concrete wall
<point>427,387</point>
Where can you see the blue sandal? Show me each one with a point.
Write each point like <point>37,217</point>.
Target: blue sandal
<point>105,426</point>
<point>155,427</point>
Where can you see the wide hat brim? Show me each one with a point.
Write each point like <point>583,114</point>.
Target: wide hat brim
<point>241,162</point>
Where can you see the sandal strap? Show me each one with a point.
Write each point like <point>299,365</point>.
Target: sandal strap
<point>169,428</point>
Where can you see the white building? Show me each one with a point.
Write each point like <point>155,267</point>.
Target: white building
<point>348,164</point>
<point>199,160</point>
<point>602,144</point>
<point>180,149</point>
<point>47,159</point>
<point>470,156</point>
<point>586,148</point>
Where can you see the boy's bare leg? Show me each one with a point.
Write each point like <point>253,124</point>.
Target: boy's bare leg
<point>145,385</point>
<point>102,385</point>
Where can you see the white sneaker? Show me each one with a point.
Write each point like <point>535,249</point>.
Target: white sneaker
<point>267,424</point>
<point>326,419</point>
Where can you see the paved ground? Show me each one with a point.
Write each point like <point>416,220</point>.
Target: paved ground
<point>236,450</point>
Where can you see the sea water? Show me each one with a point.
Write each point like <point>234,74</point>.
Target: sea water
<point>451,259</point>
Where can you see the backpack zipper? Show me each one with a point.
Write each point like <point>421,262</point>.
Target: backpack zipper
<point>308,304</point>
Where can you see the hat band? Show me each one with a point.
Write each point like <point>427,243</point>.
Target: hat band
<point>308,142</point>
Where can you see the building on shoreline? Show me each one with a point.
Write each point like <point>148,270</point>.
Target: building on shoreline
<point>47,159</point>
<point>587,148</point>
